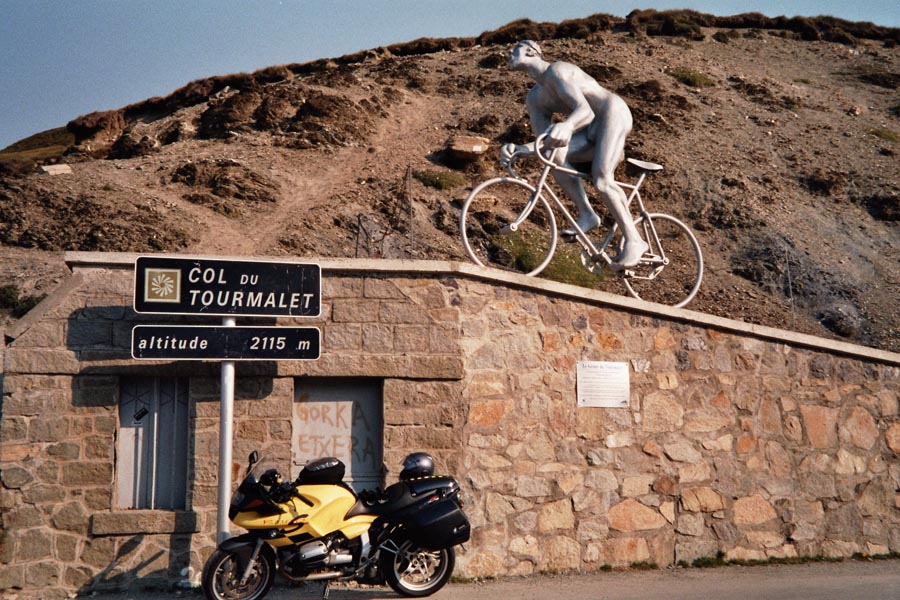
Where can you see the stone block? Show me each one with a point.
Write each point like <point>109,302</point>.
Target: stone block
<point>342,337</point>
<point>44,494</point>
<point>556,515</point>
<point>821,425</point>
<point>624,551</point>
<point>636,485</point>
<point>661,412</point>
<point>561,553</point>
<point>70,517</point>
<point>488,413</point>
<point>892,438</point>
<point>765,539</point>
<point>87,474</point>
<point>721,444</point>
<point>15,477</point>
<point>602,480</point>
<point>533,487</point>
<point>705,421</point>
<point>43,575</point>
<point>619,439</point>
<point>694,473</point>
<point>690,524</point>
<point>22,517</point>
<point>753,510</point>
<point>858,428</point>
<point>630,515</point>
<point>690,549</point>
<point>402,313</point>
<point>839,548</point>
<point>468,147</point>
<point>12,577</point>
<point>744,554</point>
<point>702,499</point>
<point>525,547</point>
<point>34,544</point>
<point>682,451</point>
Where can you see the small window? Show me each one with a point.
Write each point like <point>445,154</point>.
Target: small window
<point>151,457</point>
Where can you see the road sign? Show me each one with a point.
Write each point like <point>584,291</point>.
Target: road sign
<point>222,287</point>
<point>211,342</point>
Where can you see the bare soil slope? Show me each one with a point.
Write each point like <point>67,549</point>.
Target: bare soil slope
<point>779,143</point>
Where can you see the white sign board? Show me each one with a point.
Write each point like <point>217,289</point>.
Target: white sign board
<point>603,384</point>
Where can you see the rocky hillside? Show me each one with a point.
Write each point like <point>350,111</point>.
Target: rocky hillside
<point>779,137</point>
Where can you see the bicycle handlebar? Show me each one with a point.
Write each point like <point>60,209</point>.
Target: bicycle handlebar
<point>548,161</point>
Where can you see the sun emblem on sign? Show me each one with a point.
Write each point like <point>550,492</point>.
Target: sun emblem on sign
<point>162,285</point>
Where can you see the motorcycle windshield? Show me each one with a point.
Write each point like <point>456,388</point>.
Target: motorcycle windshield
<point>250,488</point>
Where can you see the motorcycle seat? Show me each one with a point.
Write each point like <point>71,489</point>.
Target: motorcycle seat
<point>395,498</point>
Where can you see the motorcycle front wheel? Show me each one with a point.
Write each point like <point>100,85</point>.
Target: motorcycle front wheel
<point>414,572</point>
<point>222,578</point>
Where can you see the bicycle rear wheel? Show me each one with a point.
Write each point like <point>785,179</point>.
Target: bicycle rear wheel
<point>486,221</point>
<point>671,271</point>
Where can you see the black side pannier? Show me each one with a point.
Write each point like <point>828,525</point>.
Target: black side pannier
<point>323,471</point>
<point>439,525</point>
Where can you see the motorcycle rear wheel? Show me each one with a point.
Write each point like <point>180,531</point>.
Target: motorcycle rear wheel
<point>414,572</point>
<point>222,579</point>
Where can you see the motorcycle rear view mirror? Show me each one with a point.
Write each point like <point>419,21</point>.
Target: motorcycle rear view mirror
<point>252,459</point>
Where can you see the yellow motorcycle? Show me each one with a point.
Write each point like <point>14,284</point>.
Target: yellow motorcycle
<point>317,528</point>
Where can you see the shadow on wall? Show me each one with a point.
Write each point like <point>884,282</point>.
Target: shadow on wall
<point>151,569</point>
<point>144,498</point>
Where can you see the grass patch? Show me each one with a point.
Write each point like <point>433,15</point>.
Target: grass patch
<point>885,134</point>
<point>644,566</point>
<point>706,562</point>
<point>16,304</point>
<point>565,266</point>
<point>690,77</point>
<point>22,157</point>
<point>441,180</point>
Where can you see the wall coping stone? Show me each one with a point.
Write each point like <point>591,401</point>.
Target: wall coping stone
<point>80,261</point>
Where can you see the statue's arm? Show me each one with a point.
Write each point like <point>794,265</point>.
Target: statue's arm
<point>541,120</point>
<point>569,86</point>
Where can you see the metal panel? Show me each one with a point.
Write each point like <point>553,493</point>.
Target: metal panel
<point>342,418</point>
<point>151,462</point>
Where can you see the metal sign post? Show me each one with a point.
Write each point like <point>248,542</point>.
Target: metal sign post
<point>226,435</point>
<point>225,288</point>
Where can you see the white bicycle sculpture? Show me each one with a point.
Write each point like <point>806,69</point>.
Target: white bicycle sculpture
<point>508,223</point>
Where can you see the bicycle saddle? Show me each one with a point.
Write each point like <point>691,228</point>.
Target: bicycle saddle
<point>649,167</point>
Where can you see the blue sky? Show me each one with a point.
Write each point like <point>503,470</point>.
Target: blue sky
<point>62,59</point>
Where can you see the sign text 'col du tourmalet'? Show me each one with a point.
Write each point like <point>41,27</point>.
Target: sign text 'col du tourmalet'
<point>217,287</point>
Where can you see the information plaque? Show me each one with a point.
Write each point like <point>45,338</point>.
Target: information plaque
<point>603,384</point>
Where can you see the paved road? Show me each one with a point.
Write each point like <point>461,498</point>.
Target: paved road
<point>848,580</point>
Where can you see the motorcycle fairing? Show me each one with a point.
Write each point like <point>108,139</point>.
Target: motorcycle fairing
<point>325,510</point>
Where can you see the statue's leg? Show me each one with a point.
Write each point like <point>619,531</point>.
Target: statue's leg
<point>579,150</point>
<point>610,131</point>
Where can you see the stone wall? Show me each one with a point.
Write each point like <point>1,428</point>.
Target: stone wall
<point>732,443</point>
<point>740,440</point>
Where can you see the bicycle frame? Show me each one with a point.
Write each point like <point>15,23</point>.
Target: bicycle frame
<point>580,235</point>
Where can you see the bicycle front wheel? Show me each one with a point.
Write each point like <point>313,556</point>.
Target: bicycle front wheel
<point>671,271</point>
<point>503,225</point>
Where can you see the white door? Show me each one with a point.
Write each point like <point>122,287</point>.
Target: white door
<point>341,418</point>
